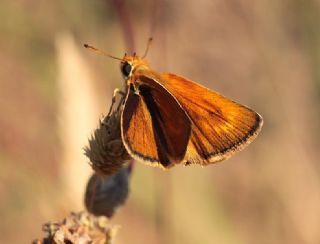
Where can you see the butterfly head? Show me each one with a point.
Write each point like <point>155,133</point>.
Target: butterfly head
<point>131,64</point>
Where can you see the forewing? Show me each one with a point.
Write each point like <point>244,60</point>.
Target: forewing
<point>220,127</point>
<point>155,129</point>
<point>137,132</point>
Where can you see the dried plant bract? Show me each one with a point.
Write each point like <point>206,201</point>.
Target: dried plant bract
<point>78,228</point>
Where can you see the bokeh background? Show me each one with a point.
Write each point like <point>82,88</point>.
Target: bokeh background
<point>265,54</point>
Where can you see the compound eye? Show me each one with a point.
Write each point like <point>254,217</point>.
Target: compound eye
<point>126,69</point>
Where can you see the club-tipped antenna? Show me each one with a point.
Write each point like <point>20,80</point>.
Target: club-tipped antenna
<point>100,52</point>
<point>147,48</point>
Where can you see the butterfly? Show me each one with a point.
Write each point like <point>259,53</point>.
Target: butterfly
<point>167,119</point>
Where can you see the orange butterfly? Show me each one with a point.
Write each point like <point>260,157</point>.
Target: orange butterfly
<point>167,119</point>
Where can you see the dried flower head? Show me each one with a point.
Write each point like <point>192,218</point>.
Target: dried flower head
<point>104,194</point>
<point>78,228</point>
<point>106,151</point>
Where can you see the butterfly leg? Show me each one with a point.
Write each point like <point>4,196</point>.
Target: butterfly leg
<point>113,101</point>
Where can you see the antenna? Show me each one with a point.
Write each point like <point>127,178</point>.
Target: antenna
<point>147,48</point>
<point>100,52</point>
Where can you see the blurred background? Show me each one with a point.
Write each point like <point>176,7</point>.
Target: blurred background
<point>265,54</point>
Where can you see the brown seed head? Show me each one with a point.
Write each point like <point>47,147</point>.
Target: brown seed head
<point>106,151</point>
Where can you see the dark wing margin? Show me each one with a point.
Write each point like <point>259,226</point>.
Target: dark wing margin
<point>155,129</point>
